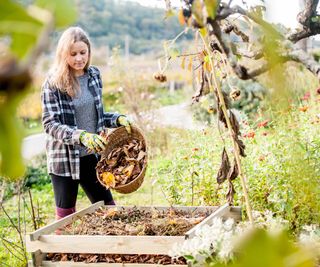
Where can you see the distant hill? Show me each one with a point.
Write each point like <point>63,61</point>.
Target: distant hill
<point>109,21</point>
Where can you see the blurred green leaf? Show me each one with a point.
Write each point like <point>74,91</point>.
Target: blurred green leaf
<point>269,250</point>
<point>189,257</point>
<point>19,26</point>
<point>203,32</point>
<point>63,11</point>
<point>197,12</point>
<point>211,6</point>
<point>11,163</point>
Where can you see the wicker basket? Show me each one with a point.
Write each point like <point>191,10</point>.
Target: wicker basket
<point>118,137</point>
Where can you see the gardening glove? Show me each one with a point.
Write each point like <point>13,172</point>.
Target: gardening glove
<point>93,142</point>
<point>126,122</point>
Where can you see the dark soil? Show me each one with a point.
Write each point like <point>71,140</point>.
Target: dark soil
<point>134,221</point>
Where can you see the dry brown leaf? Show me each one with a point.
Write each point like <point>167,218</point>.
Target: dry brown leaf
<point>128,170</point>
<point>233,172</point>
<point>141,155</point>
<point>108,179</point>
<point>224,167</point>
<point>64,257</point>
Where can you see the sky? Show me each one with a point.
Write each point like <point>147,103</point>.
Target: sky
<point>279,11</point>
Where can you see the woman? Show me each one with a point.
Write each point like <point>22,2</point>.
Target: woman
<point>72,115</point>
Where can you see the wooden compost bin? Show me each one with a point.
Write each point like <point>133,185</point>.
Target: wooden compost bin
<point>41,242</point>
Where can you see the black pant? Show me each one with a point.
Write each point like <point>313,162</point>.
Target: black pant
<point>66,189</point>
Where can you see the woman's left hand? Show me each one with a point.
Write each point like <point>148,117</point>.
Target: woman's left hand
<point>126,122</point>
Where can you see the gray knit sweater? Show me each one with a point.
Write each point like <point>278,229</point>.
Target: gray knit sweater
<point>85,111</point>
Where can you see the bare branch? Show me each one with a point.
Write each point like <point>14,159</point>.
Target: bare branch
<point>310,10</point>
<point>226,11</point>
<point>13,224</point>
<point>11,252</point>
<point>244,74</point>
<point>14,245</point>
<point>221,41</point>
<point>304,58</point>
<point>33,213</point>
<point>297,55</point>
<point>250,54</point>
<point>308,18</point>
<point>230,27</point>
<point>305,32</point>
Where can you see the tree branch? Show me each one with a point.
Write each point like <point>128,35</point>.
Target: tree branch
<point>225,11</point>
<point>305,32</point>
<point>297,55</point>
<point>310,10</point>
<point>219,33</point>
<point>250,54</point>
<point>304,58</point>
<point>309,19</point>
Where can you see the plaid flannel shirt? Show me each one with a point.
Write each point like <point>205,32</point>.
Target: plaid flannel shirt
<point>62,134</point>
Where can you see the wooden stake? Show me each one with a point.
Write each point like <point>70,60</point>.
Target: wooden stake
<point>231,132</point>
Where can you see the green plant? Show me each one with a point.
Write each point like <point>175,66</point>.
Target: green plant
<point>282,166</point>
<point>284,175</point>
<point>37,174</point>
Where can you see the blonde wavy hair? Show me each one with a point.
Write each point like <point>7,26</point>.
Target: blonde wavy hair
<point>61,75</point>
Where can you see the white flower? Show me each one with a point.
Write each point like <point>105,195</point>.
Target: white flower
<point>310,237</point>
<point>212,239</point>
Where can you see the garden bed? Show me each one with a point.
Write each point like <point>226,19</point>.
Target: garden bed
<point>120,236</point>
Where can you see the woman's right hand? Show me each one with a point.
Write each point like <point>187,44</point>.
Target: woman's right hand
<point>93,142</point>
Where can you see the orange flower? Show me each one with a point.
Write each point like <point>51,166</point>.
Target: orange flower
<point>306,96</point>
<point>250,134</point>
<point>263,123</point>
<point>303,108</point>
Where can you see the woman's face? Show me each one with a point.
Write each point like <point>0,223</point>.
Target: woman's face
<point>78,57</point>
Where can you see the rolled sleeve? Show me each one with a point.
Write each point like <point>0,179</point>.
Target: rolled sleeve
<point>111,119</point>
<point>76,137</point>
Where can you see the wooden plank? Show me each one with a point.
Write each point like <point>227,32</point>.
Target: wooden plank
<point>102,264</point>
<point>62,222</point>
<point>223,212</point>
<point>37,258</point>
<point>103,244</point>
<point>234,213</point>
